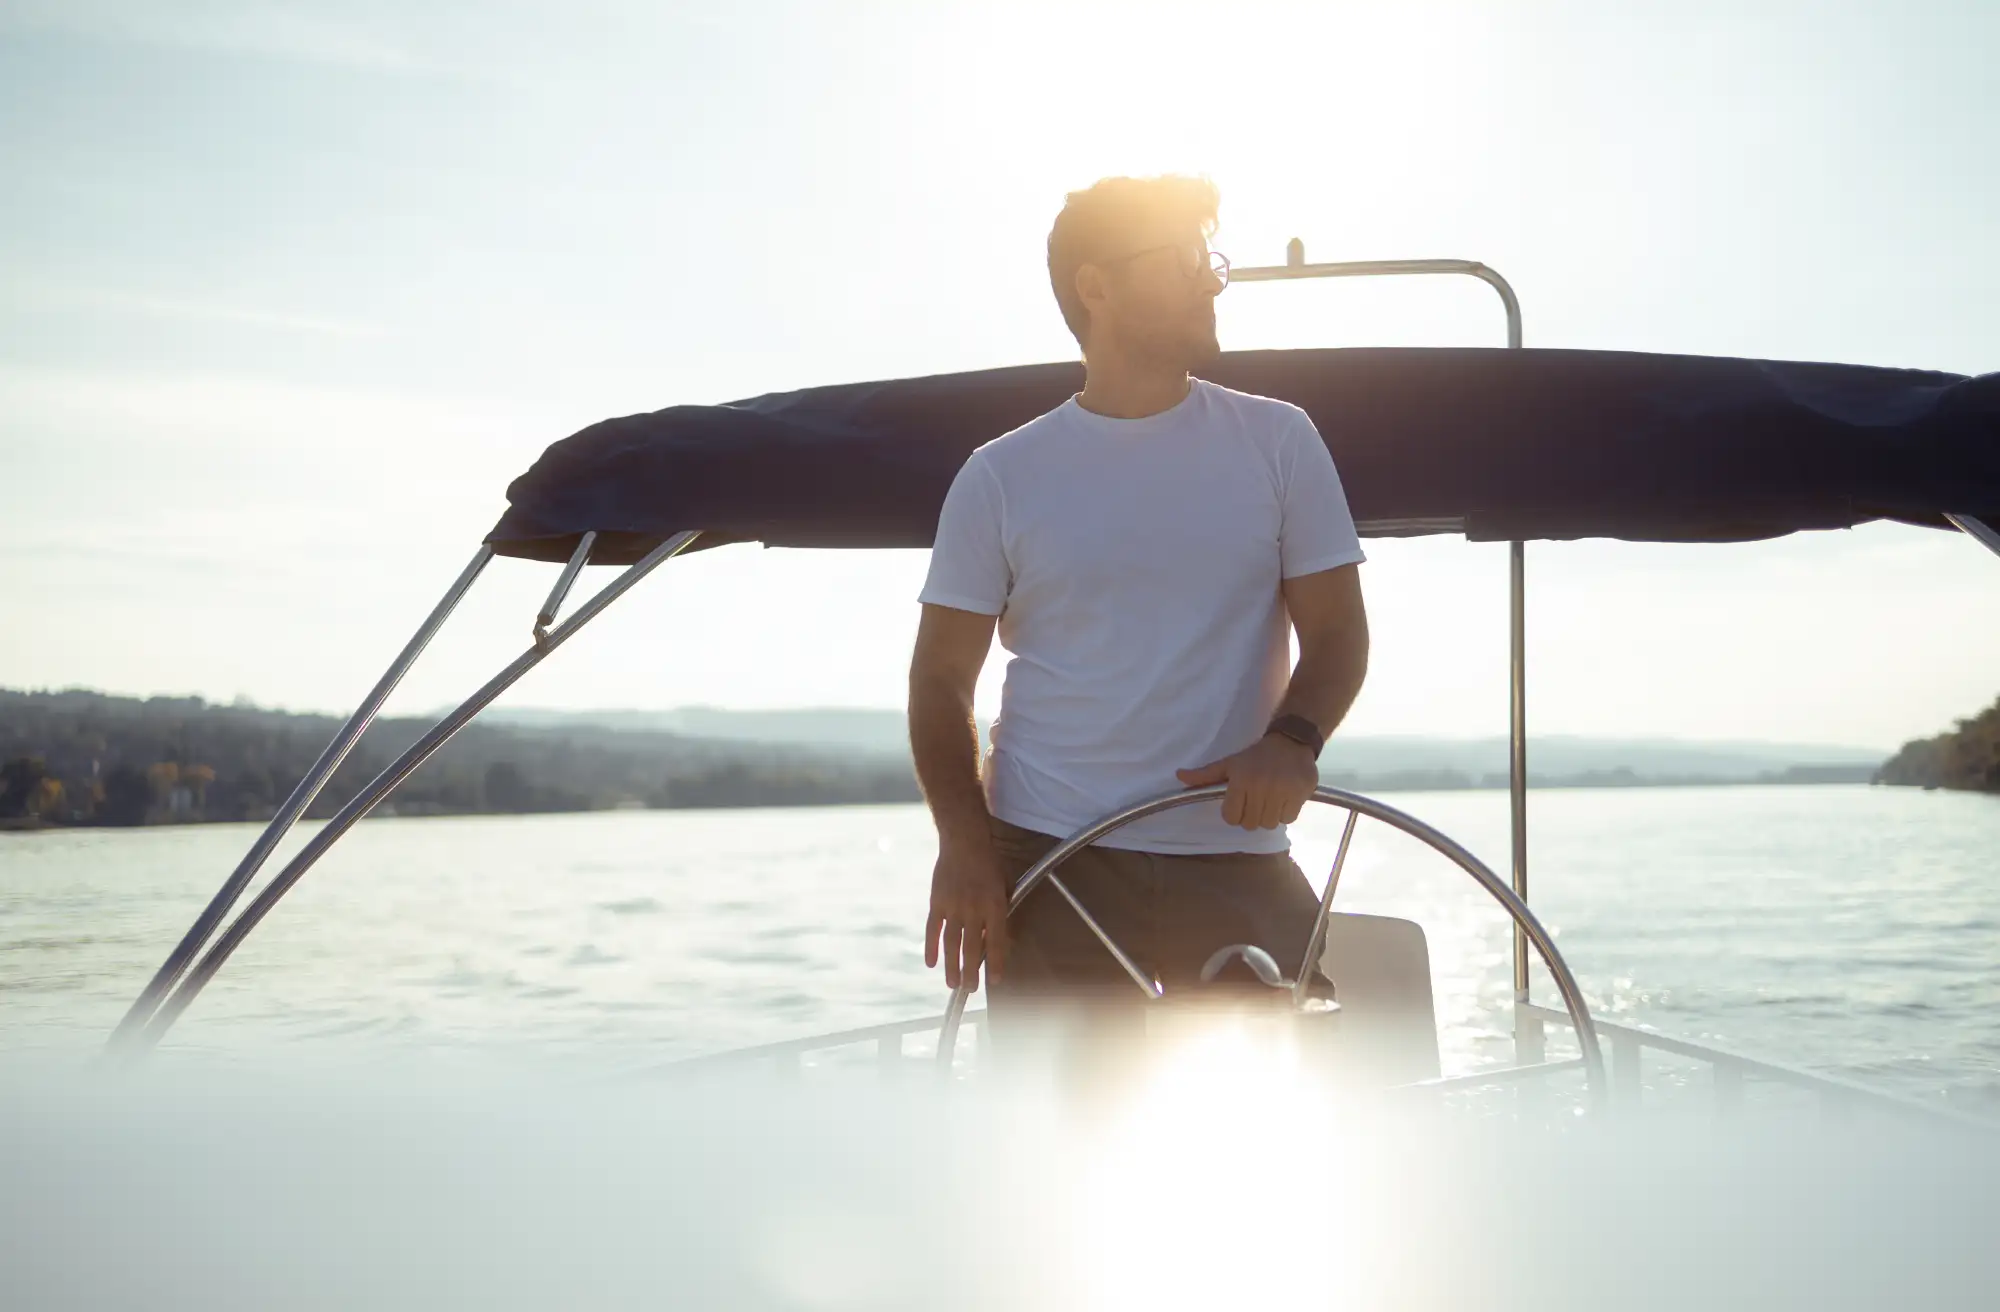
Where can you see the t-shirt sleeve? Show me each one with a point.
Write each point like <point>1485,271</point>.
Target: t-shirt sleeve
<point>969,569</point>
<point>1317,529</point>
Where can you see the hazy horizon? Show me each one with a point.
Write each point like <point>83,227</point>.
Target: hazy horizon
<point>653,717</point>
<point>293,293</point>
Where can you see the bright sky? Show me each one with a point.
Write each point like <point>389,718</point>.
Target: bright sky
<point>291,292</point>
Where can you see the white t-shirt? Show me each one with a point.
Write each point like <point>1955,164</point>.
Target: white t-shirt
<point>1134,565</point>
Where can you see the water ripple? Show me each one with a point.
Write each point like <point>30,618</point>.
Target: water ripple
<point>1834,928</point>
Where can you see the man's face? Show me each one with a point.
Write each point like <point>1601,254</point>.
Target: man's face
<point>1158,299</point>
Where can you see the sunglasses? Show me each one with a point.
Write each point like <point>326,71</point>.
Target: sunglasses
<point>1194,257</point>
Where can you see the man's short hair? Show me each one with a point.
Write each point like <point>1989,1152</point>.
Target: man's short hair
<point>1097,223</point>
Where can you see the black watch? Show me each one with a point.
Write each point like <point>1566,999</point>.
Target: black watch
<point>1300,730</point>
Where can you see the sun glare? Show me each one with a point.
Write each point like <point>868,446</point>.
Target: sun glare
<point>1224,1183</point>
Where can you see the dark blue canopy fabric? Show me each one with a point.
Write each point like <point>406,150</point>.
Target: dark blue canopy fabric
<point>1496,444</point>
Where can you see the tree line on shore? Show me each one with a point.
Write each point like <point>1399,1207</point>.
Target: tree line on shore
<point>86,758</point>
<point>1967,757</point>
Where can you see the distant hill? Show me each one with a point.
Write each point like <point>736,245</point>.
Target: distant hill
<point>1552,759</point>
<point>1968,757</point>
<point>1558,758</point>
<point>879,732</point>
<point>84,758</point>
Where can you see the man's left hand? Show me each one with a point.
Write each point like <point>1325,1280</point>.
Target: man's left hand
<point>1269,781</point>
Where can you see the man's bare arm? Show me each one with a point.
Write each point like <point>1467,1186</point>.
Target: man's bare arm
<point>944,738</point>
<point>968,913</point>
<point>1271,780</point>
<point>1332,625</point>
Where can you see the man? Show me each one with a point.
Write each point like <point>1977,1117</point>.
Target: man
<point>1140,548</point>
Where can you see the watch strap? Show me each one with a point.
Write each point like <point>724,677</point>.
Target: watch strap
<point>1300,730</point>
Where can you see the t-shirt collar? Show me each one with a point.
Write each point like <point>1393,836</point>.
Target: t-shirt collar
<point>1074,411</point>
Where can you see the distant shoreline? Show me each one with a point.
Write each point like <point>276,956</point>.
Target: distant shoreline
<point>36,825</point>
<point>76,759</point>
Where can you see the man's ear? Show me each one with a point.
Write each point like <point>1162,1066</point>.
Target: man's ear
<point>1091,288</point>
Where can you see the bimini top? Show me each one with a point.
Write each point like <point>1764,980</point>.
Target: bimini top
<point>1494,444</point>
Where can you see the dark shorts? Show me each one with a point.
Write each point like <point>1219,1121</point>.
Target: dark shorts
<point>1168,912</point>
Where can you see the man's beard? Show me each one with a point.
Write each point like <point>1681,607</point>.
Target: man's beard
<point>1189,347</point>
<point>1203,347</point>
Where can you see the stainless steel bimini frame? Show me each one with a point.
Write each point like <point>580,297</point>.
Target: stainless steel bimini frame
<point>161,1003</point>
<point>181,978</point>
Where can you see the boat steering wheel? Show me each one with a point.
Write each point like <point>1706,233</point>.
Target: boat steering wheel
<point>1356,806</point>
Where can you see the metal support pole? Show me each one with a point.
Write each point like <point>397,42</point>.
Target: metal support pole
<point>1294,267</point>
<point>1517,743</point>
<point>553,606</point>
<point>295,806</point>
<point>1517,719</point>
<point>1979,531</point>
<point>385,783</point>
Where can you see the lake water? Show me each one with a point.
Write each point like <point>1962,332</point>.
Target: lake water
<point>1851,930</point>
